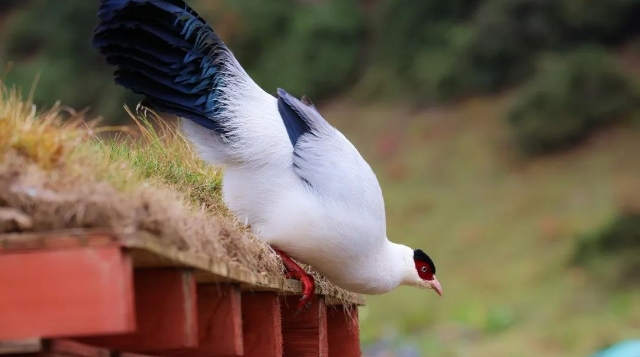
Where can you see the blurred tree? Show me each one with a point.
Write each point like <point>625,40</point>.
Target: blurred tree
<point>614,248</point>
<point>622,233</point>
<point>53,39</point>
<point>307,48</point>
<point>603,21</point>
<point>8,4</point>
<point>416,50</point>
<point>506,36</point>
<point>569,96</point>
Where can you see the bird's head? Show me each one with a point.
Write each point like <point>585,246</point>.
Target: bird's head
<point>425,272</point>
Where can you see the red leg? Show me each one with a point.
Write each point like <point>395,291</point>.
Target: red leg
<point>296,272</point>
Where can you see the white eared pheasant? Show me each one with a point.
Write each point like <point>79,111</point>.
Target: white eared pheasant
<point>300,184</point>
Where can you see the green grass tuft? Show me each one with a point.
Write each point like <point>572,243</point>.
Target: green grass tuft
<point>160,153</point>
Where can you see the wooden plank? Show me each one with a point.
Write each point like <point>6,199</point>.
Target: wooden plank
<point>30,345</point>
<point>219,323</point>
<point>149,252</point>
<point>129,354</point>
<point>343,332</point>
<point>65,348</point>
<point>215,271</point>
<point>261,324</point>
<point>65,292</point>
<point>165,302</point>
<point>305,334</point>
<point>73,348</point>
<point>77,238</point>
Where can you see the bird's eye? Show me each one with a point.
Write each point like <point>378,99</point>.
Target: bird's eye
<point>424,269</point>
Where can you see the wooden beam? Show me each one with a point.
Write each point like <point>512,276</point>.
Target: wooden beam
<point>30,345</point>
<point>150,252</point>
<point>305,334</point>
<point>65,348</point>
<point>219,323</point>
<point>74,348</point>
<point>165,301</point>
<point>128,354</point>
<point>343,332</point>
<point>65,292</point>
<point>261,324</point>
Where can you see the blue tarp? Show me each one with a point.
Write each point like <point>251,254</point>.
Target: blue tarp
<point>628,348</point>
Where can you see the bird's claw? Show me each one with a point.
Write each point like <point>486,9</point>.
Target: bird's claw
<point>303,303</point>
<point>294,271</point>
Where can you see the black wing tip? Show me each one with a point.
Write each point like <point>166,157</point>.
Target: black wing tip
<point>419,255</point>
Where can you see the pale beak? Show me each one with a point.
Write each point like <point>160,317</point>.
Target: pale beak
<point>435,285</point>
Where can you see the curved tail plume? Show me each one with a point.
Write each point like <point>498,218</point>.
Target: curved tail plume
<point>166,52</point>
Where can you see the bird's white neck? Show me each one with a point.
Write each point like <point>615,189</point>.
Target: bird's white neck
<point>401,257</point>
<point>391,267</point>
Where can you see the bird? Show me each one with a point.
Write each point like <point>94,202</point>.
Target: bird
<point>295,179</point>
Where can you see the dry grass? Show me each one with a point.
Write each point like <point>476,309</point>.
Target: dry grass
<point>56,173</point>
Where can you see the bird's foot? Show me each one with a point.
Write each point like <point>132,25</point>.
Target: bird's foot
<point>295,271</point>
<point>308,290</point>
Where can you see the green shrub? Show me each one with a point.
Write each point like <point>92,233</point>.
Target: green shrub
<point>260,25</point>
<point>308,49</point>
<point>404,28</point>
<point>9,4</point>
<point>54,41</point>
<point>415,50</point>
<point>569,96</point>
<point>622,234</point>
<point>603,21</point>
<point>507,34</point>
<point>441,74</point>
<point>612,253</point>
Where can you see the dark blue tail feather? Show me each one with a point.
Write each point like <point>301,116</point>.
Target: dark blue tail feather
<point>163,50</point>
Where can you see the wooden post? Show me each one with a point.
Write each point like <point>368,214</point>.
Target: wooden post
<point>65,292</point>
<point>219,323</point>
<point>165,302</point>
<point>343,331</point>
<point>305,334</point>
<point>261,324</point>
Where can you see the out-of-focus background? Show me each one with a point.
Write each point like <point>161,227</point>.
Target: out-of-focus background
<point>505,134</point>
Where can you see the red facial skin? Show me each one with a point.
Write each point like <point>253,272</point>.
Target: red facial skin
<point>426,273</point>
<point>424,270</point>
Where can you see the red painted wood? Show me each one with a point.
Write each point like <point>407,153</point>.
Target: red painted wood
<point>65,292</point>
<point>73,348</point>
<point>305,334</point>
<point>343,332</point>
<point>165,301</point>
<point>261,324</point>
<point>131,354</point>
<point>219,323</point>
<point>65,348</point>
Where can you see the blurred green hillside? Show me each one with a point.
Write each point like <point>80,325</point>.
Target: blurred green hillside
<point>505,135</point>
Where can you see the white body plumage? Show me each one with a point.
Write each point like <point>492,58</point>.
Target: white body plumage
<point>339,227</point>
